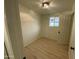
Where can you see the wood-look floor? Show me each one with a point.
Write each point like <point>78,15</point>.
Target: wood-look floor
<point>46,49</point>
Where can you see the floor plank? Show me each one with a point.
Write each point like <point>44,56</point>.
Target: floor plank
<point>46,49</point>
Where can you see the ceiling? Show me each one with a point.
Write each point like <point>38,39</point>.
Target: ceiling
<point>57,6</point>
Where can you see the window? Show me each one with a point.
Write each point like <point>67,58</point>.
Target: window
<point>54,22</point>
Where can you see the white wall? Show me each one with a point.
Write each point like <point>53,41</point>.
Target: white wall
<point>30,24</point>
<point>8,44</point>
<point>52,33</point>
<point>5,54</point>
<point>13,27</point>
<point>31,30</point>
<point>72,42</point>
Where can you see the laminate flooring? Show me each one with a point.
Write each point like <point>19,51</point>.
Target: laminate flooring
<point>46,49</point>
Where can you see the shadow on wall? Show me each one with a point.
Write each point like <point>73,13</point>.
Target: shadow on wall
<point>30,26</point>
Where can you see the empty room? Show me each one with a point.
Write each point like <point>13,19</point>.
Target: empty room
<point>39,29</point>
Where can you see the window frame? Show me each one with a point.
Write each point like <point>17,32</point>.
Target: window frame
<point>54,21</point>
